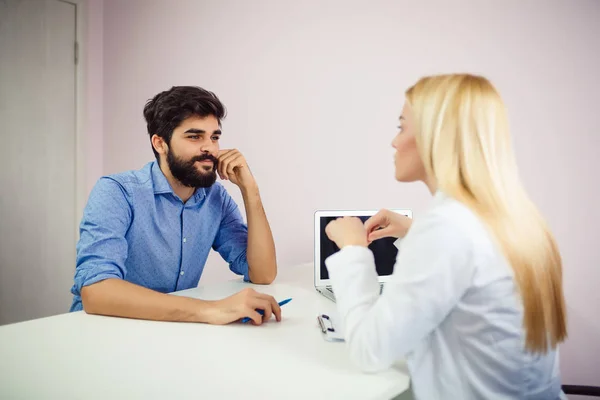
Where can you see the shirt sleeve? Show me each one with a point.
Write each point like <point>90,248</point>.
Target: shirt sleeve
<point>231,241</point>
<point>102,247</point>
<point>432,272</point>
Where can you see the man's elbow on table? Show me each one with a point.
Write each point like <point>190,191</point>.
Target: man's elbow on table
<point>90,297</point>
<point>263,278</point>
<point>262,271</point>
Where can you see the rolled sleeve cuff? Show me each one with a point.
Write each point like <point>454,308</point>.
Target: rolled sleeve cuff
<point>93,276</point>
<point>88,280</point>
<point>245,271</point>
<point>240,267</point>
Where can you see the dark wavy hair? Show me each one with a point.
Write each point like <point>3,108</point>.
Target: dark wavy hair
<point>165,111</point>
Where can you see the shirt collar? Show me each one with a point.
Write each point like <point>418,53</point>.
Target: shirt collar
<point>159,181</point>
<point>161,184</point>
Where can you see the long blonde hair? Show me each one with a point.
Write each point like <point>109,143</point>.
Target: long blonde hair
<point>464,142</point>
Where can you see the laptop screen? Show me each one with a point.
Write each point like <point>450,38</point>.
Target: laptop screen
<point>384,250</point>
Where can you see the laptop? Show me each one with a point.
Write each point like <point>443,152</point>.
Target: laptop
<point>384,250</point>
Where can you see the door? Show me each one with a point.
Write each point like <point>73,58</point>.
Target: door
<point>37,161</point>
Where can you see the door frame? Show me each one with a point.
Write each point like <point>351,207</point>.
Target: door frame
<point>81,40</point>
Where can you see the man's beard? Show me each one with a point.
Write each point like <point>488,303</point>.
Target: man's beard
<point>187,173</point>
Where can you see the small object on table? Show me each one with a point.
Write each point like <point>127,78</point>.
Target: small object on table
<point>332,331</point>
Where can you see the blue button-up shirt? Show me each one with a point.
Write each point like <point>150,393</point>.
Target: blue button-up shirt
<point>136,228</point>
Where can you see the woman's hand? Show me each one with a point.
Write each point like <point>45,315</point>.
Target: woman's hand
<point>347,231</point>
<point>387,223</point>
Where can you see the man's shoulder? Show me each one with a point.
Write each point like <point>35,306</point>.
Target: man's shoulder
<point>137,177</point>
<point>129,180</point>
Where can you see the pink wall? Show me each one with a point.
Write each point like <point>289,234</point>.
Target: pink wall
<point>314,90</point>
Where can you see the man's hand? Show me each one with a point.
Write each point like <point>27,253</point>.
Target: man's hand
<point>347,231</point>
<point>387,223</point>
<point>233,167</point>
<point>262,263</point>
<point>244,304</point>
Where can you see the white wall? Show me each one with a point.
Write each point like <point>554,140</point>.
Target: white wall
<point>92,69</point>
<point>314,90</point>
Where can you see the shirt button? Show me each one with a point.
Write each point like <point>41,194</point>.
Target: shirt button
<point>182,272</point>
<point>184,240</point>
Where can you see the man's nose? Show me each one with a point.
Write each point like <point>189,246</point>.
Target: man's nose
<point>208,147</point>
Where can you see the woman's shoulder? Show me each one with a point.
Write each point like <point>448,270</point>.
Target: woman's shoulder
<point>451,219</point>
<point>451,227</point>
<point>449,213</point>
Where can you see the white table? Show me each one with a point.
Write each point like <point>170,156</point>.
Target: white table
<point>81,356</point>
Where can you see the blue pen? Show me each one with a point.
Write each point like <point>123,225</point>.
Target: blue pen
<point>261,312</point>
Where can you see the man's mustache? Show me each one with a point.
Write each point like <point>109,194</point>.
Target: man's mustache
<point>205,157</point>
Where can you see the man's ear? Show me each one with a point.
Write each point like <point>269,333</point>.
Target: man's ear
<point>159,144</point>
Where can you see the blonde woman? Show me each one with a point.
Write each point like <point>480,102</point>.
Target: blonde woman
<point>475,305</point>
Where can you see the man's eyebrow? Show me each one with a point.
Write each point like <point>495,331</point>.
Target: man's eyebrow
<point>200,131</point>
<point>401,118</point>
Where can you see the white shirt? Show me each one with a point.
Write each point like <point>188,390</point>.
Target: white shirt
<point>451,310</point>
